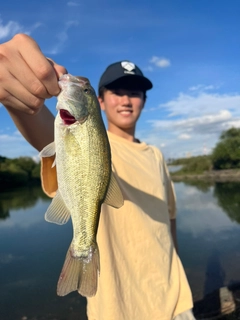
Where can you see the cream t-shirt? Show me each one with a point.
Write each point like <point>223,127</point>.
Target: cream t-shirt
<point>141,276</point>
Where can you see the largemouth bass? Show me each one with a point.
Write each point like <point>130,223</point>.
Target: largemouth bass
<point>85,180</point>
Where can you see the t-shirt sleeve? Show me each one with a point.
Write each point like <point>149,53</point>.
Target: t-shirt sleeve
<point>167,181</point>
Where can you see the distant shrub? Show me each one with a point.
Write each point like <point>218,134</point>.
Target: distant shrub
<point>195,165</point>
<point>18,172</point>
<point>226,154</point>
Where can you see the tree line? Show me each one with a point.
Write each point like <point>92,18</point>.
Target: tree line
<point>18,172</point>
<point>25,171</point>
<point>225,155</point>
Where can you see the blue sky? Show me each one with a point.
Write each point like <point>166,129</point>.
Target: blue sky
<point>189,49</point>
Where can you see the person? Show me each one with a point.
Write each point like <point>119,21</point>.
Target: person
<point>141,275</point>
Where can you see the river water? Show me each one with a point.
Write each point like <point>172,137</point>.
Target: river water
<point>32,251</point>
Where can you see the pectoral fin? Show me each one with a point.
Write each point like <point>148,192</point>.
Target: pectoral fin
<point>114,197</point>
<point>48,151</point>
<point>57,212</point>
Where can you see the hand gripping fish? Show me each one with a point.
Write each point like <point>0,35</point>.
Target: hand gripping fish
<point>84,178</point>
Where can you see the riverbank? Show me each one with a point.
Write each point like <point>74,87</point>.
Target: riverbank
<point>212,175</point>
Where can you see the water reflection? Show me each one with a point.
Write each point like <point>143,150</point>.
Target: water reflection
<point>201,185</point>
<point>215,275</point>
<point>228,197</point>
<point>226,193</point>
<point>32,251</point>
<point>18,199</point>
<point>208,234</point>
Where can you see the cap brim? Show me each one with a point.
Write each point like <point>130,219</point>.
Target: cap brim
<point>130,82</point>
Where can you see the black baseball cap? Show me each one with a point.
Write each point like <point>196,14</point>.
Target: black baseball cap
<point>124,74</point>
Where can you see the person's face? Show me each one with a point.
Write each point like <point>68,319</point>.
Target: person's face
<point>122,107</point>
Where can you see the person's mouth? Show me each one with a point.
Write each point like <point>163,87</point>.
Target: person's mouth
<point>125,112</point>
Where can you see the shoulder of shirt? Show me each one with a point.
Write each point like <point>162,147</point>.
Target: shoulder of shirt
<point>157,152</point>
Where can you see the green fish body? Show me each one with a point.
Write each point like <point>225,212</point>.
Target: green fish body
<point>85,181</point>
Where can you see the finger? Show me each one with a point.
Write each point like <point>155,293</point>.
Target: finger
<point>60,70</point>
<point>13,69</point>
<point>16,96</point>
<point>41,70</point>
<point>13,103</point>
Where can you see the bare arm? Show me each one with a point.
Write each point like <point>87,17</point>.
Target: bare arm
<point>37,129</point>
<point>171,199</point>
<point>174,233</point>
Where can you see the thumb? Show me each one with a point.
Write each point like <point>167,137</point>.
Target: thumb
<point>60,70</point>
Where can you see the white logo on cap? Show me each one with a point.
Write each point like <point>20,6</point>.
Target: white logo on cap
<point>128,66</point>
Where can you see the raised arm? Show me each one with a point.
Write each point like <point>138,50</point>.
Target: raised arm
<point>37,129</point>
<point>27,78</point>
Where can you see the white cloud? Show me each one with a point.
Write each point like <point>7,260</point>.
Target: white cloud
<point>7,138</point>
<point>149,68</point>
<point>14,145</point>
<point>9,29</point>
<point>62,37</point>
<point>201,87</point>
<point>193,123</point>
<point>160,62</point>
<point>184,136</point>
<point>202,103</point>
<point>204,124</point>
<point>73,4</point>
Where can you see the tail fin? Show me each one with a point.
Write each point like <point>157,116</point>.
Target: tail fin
<point>79,274</point>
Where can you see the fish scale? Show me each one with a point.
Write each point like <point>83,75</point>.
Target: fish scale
<point>84,178</point>
<point>75,156</point>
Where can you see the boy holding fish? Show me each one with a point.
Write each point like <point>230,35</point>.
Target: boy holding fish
<point>141,276</point>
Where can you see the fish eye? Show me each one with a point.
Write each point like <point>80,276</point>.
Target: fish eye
<point>87,91</point>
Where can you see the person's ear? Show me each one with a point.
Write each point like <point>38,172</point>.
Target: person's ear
<point>101,102</point>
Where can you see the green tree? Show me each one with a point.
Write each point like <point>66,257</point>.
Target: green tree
<point>26,164</point>
<point>226,154</point>
<point>18,172</point>
<point>36,171</point>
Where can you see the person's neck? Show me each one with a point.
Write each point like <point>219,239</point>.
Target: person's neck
<point>127,134</point>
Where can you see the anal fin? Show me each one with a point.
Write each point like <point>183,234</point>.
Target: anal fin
<point>57,212</point>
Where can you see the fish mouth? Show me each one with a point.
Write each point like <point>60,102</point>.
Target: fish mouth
<point>67,118</point>
<point>65,79</point>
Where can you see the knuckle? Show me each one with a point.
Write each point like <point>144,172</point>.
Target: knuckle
<point>38,89</point>
<point>3,54</point>
<point>20,37</point>
<point>32,111</point>
<point>3,96</point>
<point>44,71</point>
<point>36,103</point>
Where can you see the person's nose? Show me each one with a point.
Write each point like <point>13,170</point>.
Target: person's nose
<point>125,100</point>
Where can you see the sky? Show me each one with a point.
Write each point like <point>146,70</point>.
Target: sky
<point>189,49</point>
